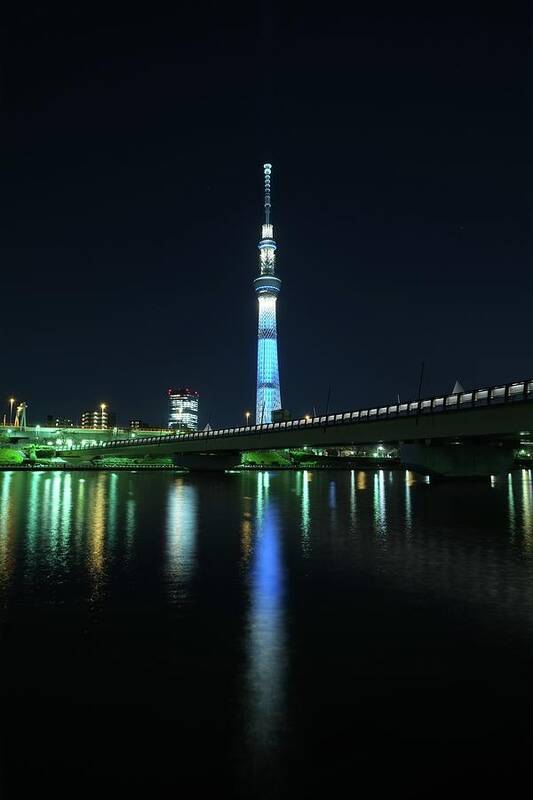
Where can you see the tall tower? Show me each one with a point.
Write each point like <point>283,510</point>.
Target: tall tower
<point>267,287</point>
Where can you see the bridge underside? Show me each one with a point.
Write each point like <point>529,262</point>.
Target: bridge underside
<point>457,460</point>
<point>207,462</point>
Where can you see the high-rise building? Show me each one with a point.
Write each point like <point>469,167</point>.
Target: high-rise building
<point>267,286</point>
<point>101,419</point>
<point>183,409</point>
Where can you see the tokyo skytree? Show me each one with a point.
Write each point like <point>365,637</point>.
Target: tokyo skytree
<point>267,287</point>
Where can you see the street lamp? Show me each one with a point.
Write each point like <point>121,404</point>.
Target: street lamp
<point>11,401</point>
<point>102,409</point>
<point>307,417</point>
<point>247,415</point>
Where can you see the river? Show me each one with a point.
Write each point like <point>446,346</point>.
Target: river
<point>265,635</point>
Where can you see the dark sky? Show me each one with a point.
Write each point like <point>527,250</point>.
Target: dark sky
<point>132,149</point>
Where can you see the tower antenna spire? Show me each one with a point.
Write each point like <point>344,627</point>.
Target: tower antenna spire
<point>267,168</point>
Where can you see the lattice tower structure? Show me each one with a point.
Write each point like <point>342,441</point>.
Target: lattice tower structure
<point>267,286</point>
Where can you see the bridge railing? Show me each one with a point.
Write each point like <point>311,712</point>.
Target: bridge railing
<point>519,391</point>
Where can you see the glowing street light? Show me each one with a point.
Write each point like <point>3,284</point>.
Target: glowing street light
<point>247,415</point>
<point>307,417</point>
<point>11,401</point>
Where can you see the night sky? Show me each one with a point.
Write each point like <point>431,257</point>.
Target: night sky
<point>133,146</point>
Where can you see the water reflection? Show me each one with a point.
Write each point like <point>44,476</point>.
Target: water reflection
<point>353,501</point>
<point>181,536</point>
<point>112,508</point>
<point>66,509</point>
<point>379,503</point>
<point>79,520</point>
<point>54,506</point>
<point>130,522</point>
<point>266,637</point>
<point>510,499</point>
<point>97,521</point>
<point>305,513</point>
<point>472,542</point>
<point>229,580</point>
<point>6,529</point>
<point>527,508</point>
<point>246,528</point>
<point>33,514</point>
<point>409,481</point>
<point>332,495</point>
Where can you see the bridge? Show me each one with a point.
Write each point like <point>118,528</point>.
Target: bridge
<point>462,434</point>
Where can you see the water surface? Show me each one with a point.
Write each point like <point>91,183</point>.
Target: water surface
<point>266,635</point>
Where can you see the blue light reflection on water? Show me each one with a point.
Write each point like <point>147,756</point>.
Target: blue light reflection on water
<point>266,645</point>
<point>356,579</point>
<point>59,518</point>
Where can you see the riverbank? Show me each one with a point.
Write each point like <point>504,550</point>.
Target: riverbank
<point>89,468</point>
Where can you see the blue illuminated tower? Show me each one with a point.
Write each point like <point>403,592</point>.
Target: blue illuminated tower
<point>267,287</point>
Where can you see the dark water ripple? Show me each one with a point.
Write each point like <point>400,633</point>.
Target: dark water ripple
<point>265,634</point>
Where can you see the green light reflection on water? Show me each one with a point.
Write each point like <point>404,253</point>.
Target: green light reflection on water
<point>353,501</point>
<point>306,479</point>
<point>66,509</point>
<point>527,507</point>
<point>80,513</point>
<point>263,487</point>
<point>511,501</point>
<point>55,506</point>
<point>32,516</point>
<point>409,481</point>
<point>6,530</point>
<point>112,508</point>
<point>182,512</point>
<point>5,478</point>
<point>378,501</point>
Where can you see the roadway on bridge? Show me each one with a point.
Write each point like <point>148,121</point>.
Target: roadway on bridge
<point>498,414</point>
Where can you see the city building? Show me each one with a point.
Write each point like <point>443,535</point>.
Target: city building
<point>183,409</point>
<point>101,419</point>
<point>267,286</point>
<point>140,425</point>
<point>59,422</point>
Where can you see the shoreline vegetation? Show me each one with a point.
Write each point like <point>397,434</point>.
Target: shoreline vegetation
<point>45,459</point>
<point>63,467</point>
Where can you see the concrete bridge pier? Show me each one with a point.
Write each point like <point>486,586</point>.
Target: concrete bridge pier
<point>463,460</point>
<point>208,462</point>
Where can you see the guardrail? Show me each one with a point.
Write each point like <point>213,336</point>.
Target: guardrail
<point>520,391</point>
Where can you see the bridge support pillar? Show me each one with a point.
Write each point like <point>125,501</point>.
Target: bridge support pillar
<point>457,460</point>
<point>207,462</point>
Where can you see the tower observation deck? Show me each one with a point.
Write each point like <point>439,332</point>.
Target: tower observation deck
<point>267,287</point>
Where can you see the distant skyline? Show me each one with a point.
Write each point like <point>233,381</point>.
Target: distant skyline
<point>401,146</point>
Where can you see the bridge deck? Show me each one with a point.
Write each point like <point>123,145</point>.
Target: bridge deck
<point>503,411</point>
